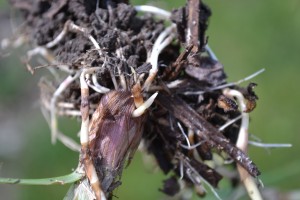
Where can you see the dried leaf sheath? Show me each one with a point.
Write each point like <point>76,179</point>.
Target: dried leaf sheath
<point>114,135</point>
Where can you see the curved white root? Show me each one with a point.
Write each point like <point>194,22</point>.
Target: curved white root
<point>242,143</point>
<point>163,40</point>
<point>154,10</point>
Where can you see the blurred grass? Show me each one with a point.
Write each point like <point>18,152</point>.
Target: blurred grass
<point>246,36</point>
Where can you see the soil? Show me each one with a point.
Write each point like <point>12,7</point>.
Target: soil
<point>116,27</point>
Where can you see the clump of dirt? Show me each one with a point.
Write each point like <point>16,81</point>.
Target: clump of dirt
<point>181,128</point>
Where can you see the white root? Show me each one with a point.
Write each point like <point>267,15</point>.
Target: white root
<point>269,145</point>
<point>163,40</point>
<point>67,141</point>
<point>59,37</point>
<point>54,98</point>
<point>230,122</point>
<point>96,86</point>
<point>225,85</point>
<point>158,45</point>
<point>242,143</point>
<point>184,135</point>
<point>239,81</point>
<point>166,15</point>
<point>154,10</point>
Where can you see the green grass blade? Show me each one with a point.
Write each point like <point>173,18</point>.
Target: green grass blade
<point>60,180</point>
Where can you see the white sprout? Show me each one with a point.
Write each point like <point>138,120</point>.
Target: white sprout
<point>142,108</point>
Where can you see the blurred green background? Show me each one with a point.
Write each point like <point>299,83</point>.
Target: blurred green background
<point>245,35</point>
